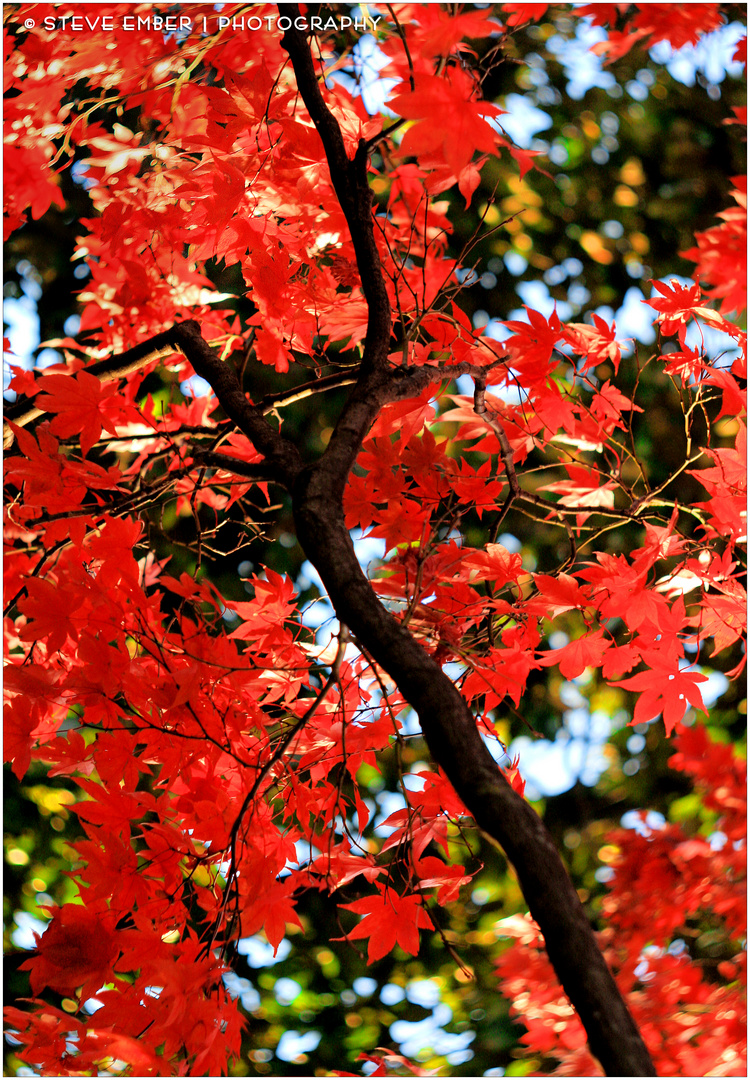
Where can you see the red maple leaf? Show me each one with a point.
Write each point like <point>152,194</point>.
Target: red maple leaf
<point>447,31</point>
<point>723,617</point>
<point>665,690</point>
<point>680,24</point>
<point>495,563</point>
<point>449,125</point>
<point>77,404</point>
<point>576,656</point>
<point>532,343</point>
<point>523,13</point>
<point>676,304</point>
<point>434,873</point>
<point>389,919</point>
<point>721,253</point>
<point>77,949</point>
<point>596,342</point>
<point>556,595</point>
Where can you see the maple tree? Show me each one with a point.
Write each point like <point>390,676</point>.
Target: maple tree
<point>248,213</point>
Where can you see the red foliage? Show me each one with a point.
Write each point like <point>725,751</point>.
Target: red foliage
<point>721,253</point>
<point>203,733</point>
<point>651,23</point>
<point>691,1010</point>
<point>78,948</point>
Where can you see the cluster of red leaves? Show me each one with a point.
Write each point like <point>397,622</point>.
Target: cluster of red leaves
<point>179,724</point>
<point>644,24</point>
<point>721,253</point>
<point>691,1013</point>
<point>649,25</point>
<point>177,990</point>
<point>443,587</point>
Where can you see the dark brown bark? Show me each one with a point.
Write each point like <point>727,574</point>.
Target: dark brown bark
<point>454,741</point>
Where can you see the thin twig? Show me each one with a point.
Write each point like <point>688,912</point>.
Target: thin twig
<point>332,679</point>
<point>480,408</point>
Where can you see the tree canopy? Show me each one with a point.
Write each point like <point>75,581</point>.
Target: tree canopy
<point>374,525</point>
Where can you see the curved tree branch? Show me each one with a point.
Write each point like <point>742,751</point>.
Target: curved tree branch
<point>349,179</point>
<point>448,725</point>
<point>282,458</point>
<point>456,745</point>
<point>21,412</point>
<point>279,453</point>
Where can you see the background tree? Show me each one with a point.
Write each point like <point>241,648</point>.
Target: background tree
<point>228,772</point>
